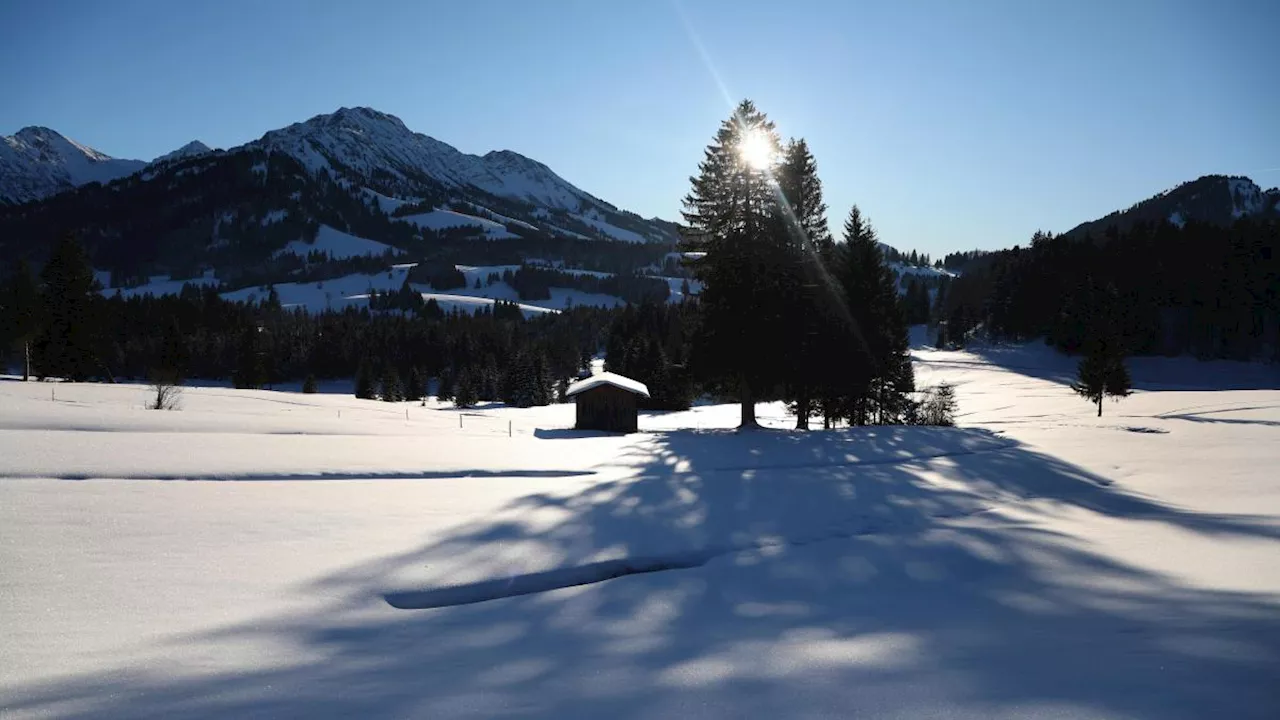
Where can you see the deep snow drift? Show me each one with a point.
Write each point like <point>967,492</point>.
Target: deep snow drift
<point>276,554</point>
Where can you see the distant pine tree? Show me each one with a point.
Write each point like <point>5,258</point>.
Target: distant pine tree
<point>1102,373</point>
<point>309,386</point>
<point>19,313</point>
<point>250,365</point>
<point>364,384</point>
<point>390,389</point>
<point>465,394</point>
<point>68,339</point>
<point>416,389</point>
<point>444,385</point>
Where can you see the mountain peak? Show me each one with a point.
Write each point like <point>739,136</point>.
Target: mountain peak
<point>366,142</point>
<point>191,149</point>
<point>38,161</point>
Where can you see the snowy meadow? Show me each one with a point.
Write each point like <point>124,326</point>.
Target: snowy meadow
<point>274,554</point>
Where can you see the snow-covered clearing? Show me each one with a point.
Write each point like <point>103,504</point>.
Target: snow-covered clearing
<point>276,554</point>
<point>443,219</point>
<point>157,284</point>
<point>592,218</point>
<point>338,244</point>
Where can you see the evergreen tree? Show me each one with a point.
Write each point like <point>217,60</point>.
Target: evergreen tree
<point>810,290</point>
<point>541,380</point>
<point>1101,373</point>
<point>466,394</point>
<point>364,382</point>
<point>733,217</point>
<point>416,389</point>
<point>309,386</point>
<point>19,313</point>
<point>390,389</point>
<point>939,406</point>
<point>171,364</point>
<point>250,372</point>
<point>444,385</point>
<point>879,391</point>
<point>67,343</point>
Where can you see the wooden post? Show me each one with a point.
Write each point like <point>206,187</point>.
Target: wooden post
<point>459,421</point>
<point>509,429</point>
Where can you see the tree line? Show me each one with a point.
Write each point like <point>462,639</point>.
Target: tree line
<point>1201,289</point>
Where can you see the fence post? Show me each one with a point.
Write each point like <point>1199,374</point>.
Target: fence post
<point>509,429</point>
<point>406,413</point>
<point>459,421</point>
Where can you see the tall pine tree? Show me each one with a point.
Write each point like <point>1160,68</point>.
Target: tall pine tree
<point>810,291</point>
<point>732,214</point>
<point>878,392</point>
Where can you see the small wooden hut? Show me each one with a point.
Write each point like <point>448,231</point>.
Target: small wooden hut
<point>607,401</point>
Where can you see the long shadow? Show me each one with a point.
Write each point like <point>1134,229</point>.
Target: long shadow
<point>860,589</point>
<point>322,476</point>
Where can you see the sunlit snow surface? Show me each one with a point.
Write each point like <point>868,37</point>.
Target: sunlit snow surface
<point>250,555</point>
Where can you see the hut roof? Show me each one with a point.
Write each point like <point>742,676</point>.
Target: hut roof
<point>608,378</point>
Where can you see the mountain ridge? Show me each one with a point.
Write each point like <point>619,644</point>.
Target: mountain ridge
<point>1215,199</point>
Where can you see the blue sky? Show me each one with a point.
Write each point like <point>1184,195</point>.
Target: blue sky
<point>952,124</point>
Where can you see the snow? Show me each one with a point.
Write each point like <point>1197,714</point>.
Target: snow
<point>441,219</point>
<point>338,244</point>
<point>274,216</point>
<point>37,162</point>
<point>1176,218</point>
<point>470,303</point>
<point>191,149</point>
<point>593,219</point>
<point>250,555</point>
<point>386,204</point>
<point>334,293</point>
<point>927,272</point>
<point>157,285</point>
<point>364,139</point>
<point>1246,197</point>
<point>501,218</point>
<point>608,378</point>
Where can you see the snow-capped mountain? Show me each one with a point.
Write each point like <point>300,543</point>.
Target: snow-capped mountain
<point>366,141</point>
<point>260,212</point>
<point>37,162</point>
<point>191,149</point>
<point>1215,199</point>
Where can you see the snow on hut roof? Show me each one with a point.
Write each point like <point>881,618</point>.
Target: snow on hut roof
<point>608,378</point>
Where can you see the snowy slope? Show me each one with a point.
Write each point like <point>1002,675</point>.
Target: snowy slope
<point>338,244</point>
<point>157,285</point>
<point>441,219</point>
<point>1035,562</point>
<point>37,162</point>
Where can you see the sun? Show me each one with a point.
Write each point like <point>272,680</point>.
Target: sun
<point>756,149</point>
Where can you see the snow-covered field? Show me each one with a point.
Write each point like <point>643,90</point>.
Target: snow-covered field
<point>272,554</point>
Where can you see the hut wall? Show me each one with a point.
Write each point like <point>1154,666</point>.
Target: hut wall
<point>606,408</point>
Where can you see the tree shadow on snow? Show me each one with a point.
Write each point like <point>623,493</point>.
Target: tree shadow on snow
<point>861,573</point>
